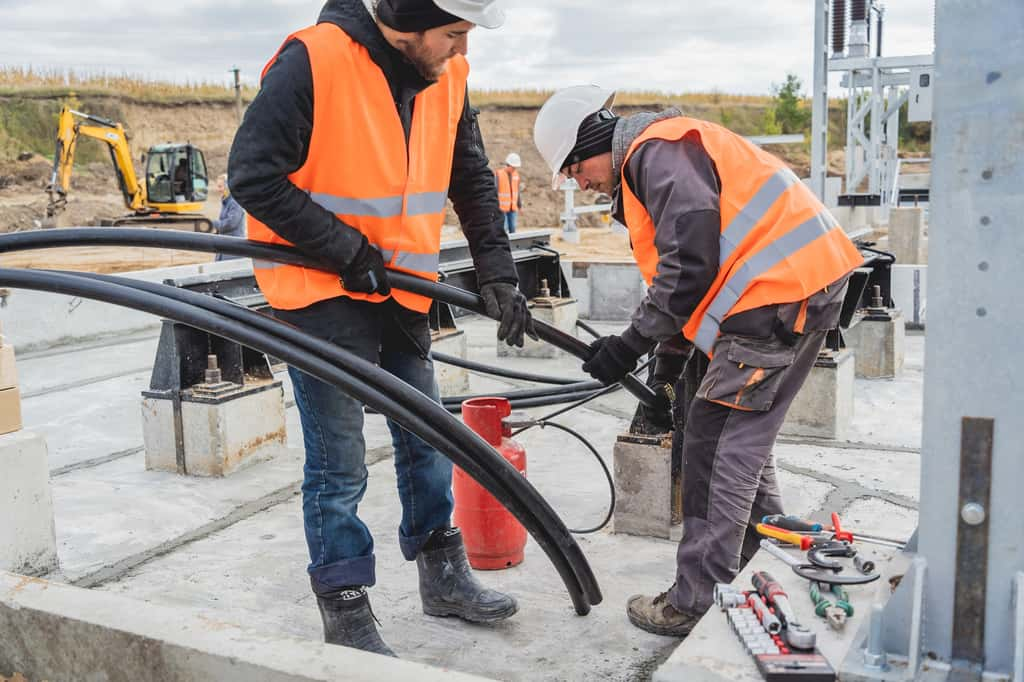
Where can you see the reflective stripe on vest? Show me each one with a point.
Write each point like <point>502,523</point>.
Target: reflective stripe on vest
<point>362,167</point>
<point>778,243</point>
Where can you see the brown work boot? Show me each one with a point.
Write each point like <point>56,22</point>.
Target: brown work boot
<point>656,615</point>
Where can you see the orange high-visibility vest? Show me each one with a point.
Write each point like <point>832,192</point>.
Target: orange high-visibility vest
<point>360,168</point>
<point>508,189</point>
<point>779,244</point>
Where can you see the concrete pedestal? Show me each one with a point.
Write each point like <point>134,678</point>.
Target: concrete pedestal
<point>648,498</point>
<point>906,235</point>
<point>219,435</point>
<point>877,340</point>
<point>28,544</point>
<point>10,397</point>
<point>824,406</point>
<point>558,312</point>
<point>451,380</point>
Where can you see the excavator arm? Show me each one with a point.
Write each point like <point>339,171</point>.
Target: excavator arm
<point>70,126</point>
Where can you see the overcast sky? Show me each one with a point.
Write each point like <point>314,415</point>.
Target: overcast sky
<point>670,45</point>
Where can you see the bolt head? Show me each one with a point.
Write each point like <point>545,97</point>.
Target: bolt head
<point>973,514</point>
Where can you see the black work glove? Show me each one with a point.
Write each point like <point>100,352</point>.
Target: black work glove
<point>366,272</point>
<point>506,303</point>
<point>612,359</point>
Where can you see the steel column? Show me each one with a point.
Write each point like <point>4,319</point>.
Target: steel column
<point>819,103</point>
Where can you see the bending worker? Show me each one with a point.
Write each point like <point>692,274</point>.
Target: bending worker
<point>361,131</point>
<point>510,198</point>
<point>744,262</point>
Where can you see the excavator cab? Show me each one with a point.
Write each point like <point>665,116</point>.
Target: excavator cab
<point>176,177</point>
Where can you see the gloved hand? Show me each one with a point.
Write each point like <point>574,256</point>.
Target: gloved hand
<point>612,359</point>
<point>366,272</point>
<point>506,303</point>
<point>660,416</point>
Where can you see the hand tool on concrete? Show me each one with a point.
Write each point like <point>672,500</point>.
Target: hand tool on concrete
<point>802,541</point>
<point>768,619</point>
<point>835,614</point>
<point>826,575</point>
<point>816,555</point>
<point>817,528</point>
<point>775,661</point>
<point>793,523</point>
<point>779,553</point>
<point>755,639</point>
<point>797,635</point>
<point>863,564</point>
<point>728,597</point>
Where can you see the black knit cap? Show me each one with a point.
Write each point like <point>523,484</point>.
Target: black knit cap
<point>594,137</point>
<point>413,16</point>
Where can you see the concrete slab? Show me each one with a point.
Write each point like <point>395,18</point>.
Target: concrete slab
<point>92,636</point>
<point>27,543</point>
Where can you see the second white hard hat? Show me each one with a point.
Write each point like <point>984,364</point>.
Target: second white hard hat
<point>484,13</point>
<point>558,122</point>
<point>513,160</point>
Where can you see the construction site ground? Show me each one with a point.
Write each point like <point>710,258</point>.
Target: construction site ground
<point>232,550</point>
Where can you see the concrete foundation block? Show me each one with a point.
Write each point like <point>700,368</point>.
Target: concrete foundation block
<point>906,235</point>
<point>648,499</point>
<point>558,312</point>
<point>8,370</point>
<point>616,289</point>
<point>218,437</point>
<point>28,544</point>
<point>10,410</point>
<point>856,219</point>
<point>824,406</point>
<point>877,341</point>
<point>451,380</point>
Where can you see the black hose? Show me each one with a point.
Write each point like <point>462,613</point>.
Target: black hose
<point>541,401</point>
<point>890,256</point>
<point>497,371</point>
<point>607,475</point>
<point>210,243</point>
<point>361,379</point>
<point>517,394</point>
<point>588,329</point>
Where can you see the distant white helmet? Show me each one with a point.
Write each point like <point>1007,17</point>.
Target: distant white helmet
<point>558,122</point>
<point>513,160</point>
<point>484,13</point>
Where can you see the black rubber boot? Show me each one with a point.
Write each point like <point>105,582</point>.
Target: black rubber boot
<point>448,586</point>
<point>348,621</point>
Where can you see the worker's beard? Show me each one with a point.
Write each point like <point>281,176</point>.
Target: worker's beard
<point>428,65</point>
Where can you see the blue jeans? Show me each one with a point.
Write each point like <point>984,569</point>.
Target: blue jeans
<point>510,221</point>
<point>340,544</point>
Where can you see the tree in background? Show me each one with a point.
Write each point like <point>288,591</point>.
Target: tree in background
<point>790,109</point>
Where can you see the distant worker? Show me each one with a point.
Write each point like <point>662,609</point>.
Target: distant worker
<point>181,181</point>
<point>743,262</point>
<point>318,163</point>
<point>510,196</point>
<point>231,222</point>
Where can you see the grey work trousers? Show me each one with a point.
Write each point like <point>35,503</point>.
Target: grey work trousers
<point>729,480</point>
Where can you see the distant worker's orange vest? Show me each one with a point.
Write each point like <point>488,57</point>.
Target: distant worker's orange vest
<point>779,244</point>
<point>360,168</point>
<point>508,189</point>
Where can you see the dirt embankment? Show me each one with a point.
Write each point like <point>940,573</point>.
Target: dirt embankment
<point>95,195</point>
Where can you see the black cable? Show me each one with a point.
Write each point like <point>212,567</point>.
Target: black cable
<point>541,401</point>
<point>607,475</point>
<point>210,243</point>
<point>521,393</point>
<point>588,329</point>
<point>498,371</point>
<point>355,376</point>
<point>890,256</point>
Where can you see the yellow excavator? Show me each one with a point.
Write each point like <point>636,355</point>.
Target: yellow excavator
<point>176,181</point>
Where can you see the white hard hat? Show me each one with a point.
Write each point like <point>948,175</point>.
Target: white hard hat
<point>558,122</point>
<point>513,160</point>
<point>484,13</point>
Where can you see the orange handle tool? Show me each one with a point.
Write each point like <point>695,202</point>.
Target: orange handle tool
<point>801,541</point>
<point>838,532</point>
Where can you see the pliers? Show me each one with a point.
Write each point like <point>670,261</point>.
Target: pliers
<point>834,614</point>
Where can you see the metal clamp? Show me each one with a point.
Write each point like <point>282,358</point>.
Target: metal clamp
<point>828,576</point>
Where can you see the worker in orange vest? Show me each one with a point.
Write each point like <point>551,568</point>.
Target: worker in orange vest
<point>741,261</point>
<point>361,132</point>
<point>510,197</point>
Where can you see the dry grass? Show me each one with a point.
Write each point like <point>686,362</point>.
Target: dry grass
<point>32,82</point>
<point>532,99</point>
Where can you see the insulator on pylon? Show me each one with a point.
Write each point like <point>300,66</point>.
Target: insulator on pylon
<point>858,10</point>
<point>838,27</point>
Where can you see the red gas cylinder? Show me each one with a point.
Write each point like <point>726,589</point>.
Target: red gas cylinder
<point>493,537</point>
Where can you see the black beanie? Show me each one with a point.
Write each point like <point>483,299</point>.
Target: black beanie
<point>594,137</point>
<point>413,16</point>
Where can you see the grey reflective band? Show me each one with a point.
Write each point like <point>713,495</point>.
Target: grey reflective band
<point>761,262</point>
<point>385,207</point>
<point>260,264</point>
<point>754,210</point>
<point>426,203</point>
<point>420,262</point>
<point>423,203</point>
